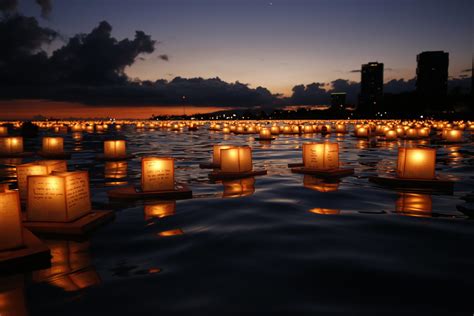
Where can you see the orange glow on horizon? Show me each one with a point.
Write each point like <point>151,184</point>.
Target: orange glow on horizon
<point>27,109</point>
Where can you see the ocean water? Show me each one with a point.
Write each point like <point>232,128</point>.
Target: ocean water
<point>279,243</point>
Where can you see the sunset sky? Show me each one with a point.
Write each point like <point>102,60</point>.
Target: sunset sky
<point>275,44</point>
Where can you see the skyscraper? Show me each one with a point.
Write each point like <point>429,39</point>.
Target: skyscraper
<point>371,87</point>
<point>432,79</point>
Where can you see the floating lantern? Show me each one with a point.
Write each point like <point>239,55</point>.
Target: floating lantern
<point>11,228</point>
<point>11,145</point>
<point>362,132</point>
<point>61,197</point>
<point>115,149</point>
<point>411,133</point>
<point>414,204</point>
<point>157,174</point>
<point>321,156</point>
<point>3,131</point>
<point>391,135</point>
<point>308,129</point>
<point>226,130</point>
<point>340,128</point>
<point>216,153</point>
<point>239,187</point>
<point>319,185</point>
<point>265,134</point>
<point>453,136</point>
<point>275,130</point>
<point>53,145</point>
<point>160,210</point>
<point>236,159</point>
<point>416,163</point>
<point>42,167</point>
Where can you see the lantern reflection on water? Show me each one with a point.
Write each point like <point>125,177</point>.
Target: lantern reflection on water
<point>157,174</point>
<point>320,185</point>
<point>239,187</point>
<point>11,145</point>
<point>53,145</point>
<point>216,153</point>
<point>416,163</point>
<point>11,228</point>
<point>71,266</point>
<point>321,156</point>
<point>115,149</point>
<point>324,211</point>
<point>414,204</point>
<point>115,171</point>
<point>3,131</point>
<point>160,210</point>
<point>61,197</point>
<point>12,296</point>
<point>42,167</point>
<point>236,159</point>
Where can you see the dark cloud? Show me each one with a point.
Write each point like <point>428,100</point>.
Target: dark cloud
<point>460,85</point>
<point>164,57</point>
<point>466,70</point>
<point>355,71</point>
<point>351,89</point>
<point>400,85</point>
<point>311,94</point>
<point>46,7</point>
<point>8,5</point>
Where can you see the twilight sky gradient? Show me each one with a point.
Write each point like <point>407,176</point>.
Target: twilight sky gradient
<point>276,44</point>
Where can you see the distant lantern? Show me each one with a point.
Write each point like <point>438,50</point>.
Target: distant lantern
<point>216,153</point>
<point>308,129</point>
<point>362,132</point>
<point>340,128</point>
<point>265,133</point>
<point>239,187</point>
<point>226,130</point>
<point>416,163</point>
<point>275,130</point>
<point>236,159</point>
<point>11,145</point>
<point>423,132</point>
<point>11,228</point>
<point>37,168</point>
<point>390,134</point>
<point>53,145</point>
<point>157,174</point>
<point>115,149</point>
<point>160,210</point>
<point>3,131</point>
<point>319,185</point>
<point>321,156</point>
<point>411,133</point>
<point>60,197</point>
<point>414,203</point>
<point>453,136</point>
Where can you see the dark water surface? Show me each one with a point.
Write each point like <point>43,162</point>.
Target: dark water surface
<point>282,247</point>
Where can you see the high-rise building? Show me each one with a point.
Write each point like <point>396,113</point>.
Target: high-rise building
<point>338,100</point>
<point>371,87</point>
<point>432,79</point>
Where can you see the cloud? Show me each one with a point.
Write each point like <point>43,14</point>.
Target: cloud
<point>164,57</point>
<point>8,5</point>
<point>46,7</point>
<point>466,70</point>
<point>355,71</point>
<point>399,85</point>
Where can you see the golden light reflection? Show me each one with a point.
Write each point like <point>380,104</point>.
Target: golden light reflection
<point>12,296</point>
<point>414,204</point>
<point>325,211</point>
<point>160,210</point>
<point>171,232</point>
<point>239,188</point>
<point>319,185</point>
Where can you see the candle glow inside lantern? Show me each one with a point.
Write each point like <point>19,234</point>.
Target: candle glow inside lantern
<point>390,135</point>
<point>265,133</point>
<point>216,153</point>
<point>115,149</point>
<point>321,156</point>
<point>42,167</point>
<point>53,145</point>
<point>416,163</point>
<point>157,174</point>
<point>160,210</point>
<point>11,145</point>
<point>362,132</point>
<point>11,228</point>
<point>236,159</point>
<point>60,197</point>
<point>453,136</point>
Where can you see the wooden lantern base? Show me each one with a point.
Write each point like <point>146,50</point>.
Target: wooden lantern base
<point>60,156</point>
<point>295,165</point>
<point>209,165</point>
<point>101,157</point>
<point>437,185</point>
<point>219,175</point>
<point>34,253</point>
<point>325,174</point>
<point>80,226</point>
<point>265,139</point>
<point>180,192</point>
<point>17,155</point>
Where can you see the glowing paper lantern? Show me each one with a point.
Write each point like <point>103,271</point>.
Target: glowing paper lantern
<point>216,153</point>
<point>42,167</point>
<point>236,159</point>
<point>115,149</point>
<point>453,136</point>
<point>390,135</point>
<point>157,174</point>
<point>239,188</point>
<point>362,132</point>
<point>160,210</point>
<point>61,197</point>
<point>3,131</point>
<point>416,163</point>
<point>321,156</point>
<point>340,128</point>
<point>265,133</point>
<point>11,228</point>
<point>11,145</point>
<point>53,145</point>
<point>275,130</point>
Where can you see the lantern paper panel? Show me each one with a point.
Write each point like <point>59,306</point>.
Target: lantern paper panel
<point>61,197</point>
<point>160,210</point>
<point>43,167</point>
<point>11,228</point>
<point>216,153</point>
<point>53,144</point>
<point>321,156</point>
<point>416,163</point>
<point>115,148</point>
<point>265,133</point>
<point>453,136</point>
<point>11,145</point>
<point>3,131</point>
<point>236,159</point>
<point>157,174</point>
